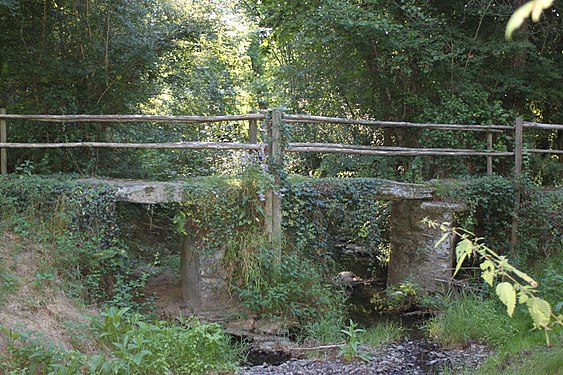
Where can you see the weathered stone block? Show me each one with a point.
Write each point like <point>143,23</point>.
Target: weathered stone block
<point>204,286</point>
<point>414,255</point>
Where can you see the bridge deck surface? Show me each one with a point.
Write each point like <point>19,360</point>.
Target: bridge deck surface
<point>152,192</point>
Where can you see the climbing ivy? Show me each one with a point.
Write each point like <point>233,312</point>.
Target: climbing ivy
<point>76,223</point>
<point>318,212</point>
<point>227,214</point>
<point>490,211</point>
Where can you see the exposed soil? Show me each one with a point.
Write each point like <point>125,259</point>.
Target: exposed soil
<point>167,288</point>
<point>34,304</point>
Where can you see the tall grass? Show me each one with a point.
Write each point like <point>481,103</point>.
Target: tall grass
<point>472,318</point>
<point>519,349</point>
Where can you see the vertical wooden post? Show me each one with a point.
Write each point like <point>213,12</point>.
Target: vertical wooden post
<point>489,158</point>
<point>3,139</point>
<point>253,131</point>
<point>518,135</point>
<point>518,132</point>
<point>273,200</point>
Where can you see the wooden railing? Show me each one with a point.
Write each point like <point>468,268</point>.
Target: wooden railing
<point>276,119</point>
<point>274,148</point>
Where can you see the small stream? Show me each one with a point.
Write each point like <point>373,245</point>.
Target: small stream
<point>361,310</point>
<point>414,354</point>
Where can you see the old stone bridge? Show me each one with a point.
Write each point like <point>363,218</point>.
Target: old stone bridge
<point>414,253</point>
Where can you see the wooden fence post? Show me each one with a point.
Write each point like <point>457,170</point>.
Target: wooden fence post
<point>489,158</point>
<point>3,139</point>
<point>518,135</point>
<point>253,131</point>
<point>273,200</point>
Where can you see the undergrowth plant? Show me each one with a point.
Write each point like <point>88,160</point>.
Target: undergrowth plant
<point>351,348</point>
<point>287,286</point>
<point>515,287</point>
<point>133,345</point>
<point>400,298</point>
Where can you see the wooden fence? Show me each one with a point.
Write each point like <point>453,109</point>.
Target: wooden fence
<point>276,118</point>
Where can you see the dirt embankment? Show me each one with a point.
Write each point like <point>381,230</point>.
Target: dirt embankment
<point>31,297</point>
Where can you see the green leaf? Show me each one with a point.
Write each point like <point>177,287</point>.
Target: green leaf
<point>539,6</point>
<point>523,298</point>
<point>487,265</point>
<point>489,277</point>
<point>517,19</point>
<point>526,278</point>
<point>463,248</point>
<point>507,294</point>
<point>442,239</point>
<point>462,251</point>
<point>540,311</point>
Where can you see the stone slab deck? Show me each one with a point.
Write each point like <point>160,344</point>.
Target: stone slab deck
<point>153,192</point>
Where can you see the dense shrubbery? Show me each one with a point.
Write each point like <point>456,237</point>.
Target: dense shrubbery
<point>490,210</point>
<point>132,345</point>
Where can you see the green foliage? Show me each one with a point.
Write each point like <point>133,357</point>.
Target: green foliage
<point>490,211</point>
<point>319,211</point>
<point>433,62</point>
<point>150,56</point>
<point>472,318</point>
<point>397,299</point>
<point>518,286</point>
<point>146,347</point>
<point>325,330</point>
<point>471,106</point>
<point>533,9</point>
<point>490,206</point>
<point>382,333</point>
<point>77,226</point>
<point>218,209</point>
<point>134,346</point>
<point>26,168</point>
<point>540,223</point>
<point>330,330</point>
<point>351,349</point>
<point>289,286</point>
<point>9,282</point>
<point>227,214</point>
<point>32,354</point>
<point>524,357</point>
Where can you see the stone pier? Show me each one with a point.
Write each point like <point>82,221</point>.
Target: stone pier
<point>414,254</point>
<point>204,286</point>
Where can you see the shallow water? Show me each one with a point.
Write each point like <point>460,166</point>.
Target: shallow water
<point>358,305</point>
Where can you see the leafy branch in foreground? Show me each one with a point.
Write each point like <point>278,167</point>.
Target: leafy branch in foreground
<point>516,286</point>
<point>532,9</point>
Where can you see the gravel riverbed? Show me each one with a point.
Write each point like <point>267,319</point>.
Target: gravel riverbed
<point>416,357</point>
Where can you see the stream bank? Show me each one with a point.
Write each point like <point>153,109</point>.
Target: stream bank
<point>410,357</point>
<point>413,355</point>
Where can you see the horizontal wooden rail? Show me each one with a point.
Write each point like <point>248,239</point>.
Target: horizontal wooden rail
<point>388,151</point>
<point>391,124</point>
<point>536,125</point>
<point>541,151</point>
<point>133,118</point>
<point>174,145</point>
